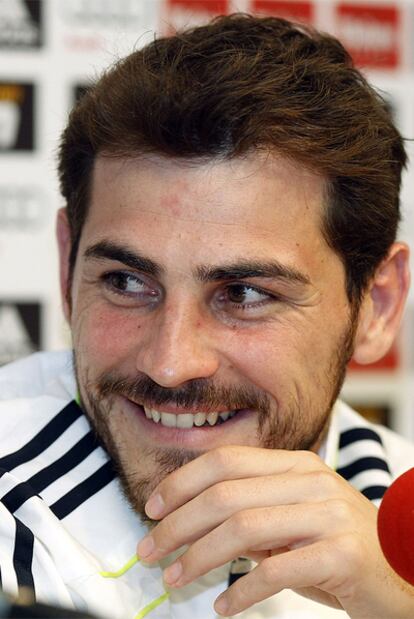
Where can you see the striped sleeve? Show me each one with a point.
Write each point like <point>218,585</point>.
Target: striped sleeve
<point>64,473</point>
<point>7,551</point>
<point>25,561</point>
<point>363,462</point>
<point>43,481</point>
<point>16,544</point>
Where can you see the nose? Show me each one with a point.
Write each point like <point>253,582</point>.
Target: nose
<point>179,347</point>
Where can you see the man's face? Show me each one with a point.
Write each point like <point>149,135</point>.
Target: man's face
<point>206,309</point>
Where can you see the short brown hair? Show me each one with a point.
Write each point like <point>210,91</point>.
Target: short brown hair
<point>243,83</point>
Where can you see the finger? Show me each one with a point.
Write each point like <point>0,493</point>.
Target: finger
<point>224,463</point>
<point>255,529</point>
<point>322,565</point>
<point>221,501</point>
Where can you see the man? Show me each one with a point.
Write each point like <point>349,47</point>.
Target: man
<point>228,244</point>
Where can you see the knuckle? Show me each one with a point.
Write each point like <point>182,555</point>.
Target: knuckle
<point>223,457</point>
<point>339,510</point>
<point>349,551</point>
<point>243,523</point>
<point>308,459</point>
<point>220,496</point>
<point>323,479</point>
<point>312,457</point>
<point>269,571</point>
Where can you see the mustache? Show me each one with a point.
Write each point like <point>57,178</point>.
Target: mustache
<point>195,393</point>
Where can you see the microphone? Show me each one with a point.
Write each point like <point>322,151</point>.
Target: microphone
<point>395,525</point>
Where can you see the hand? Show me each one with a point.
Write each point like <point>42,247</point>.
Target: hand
<point>304,525</point>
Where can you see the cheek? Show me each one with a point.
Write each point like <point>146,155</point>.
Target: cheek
<point>283,354</point>
<point>105,335</point>
<point>267,358</point>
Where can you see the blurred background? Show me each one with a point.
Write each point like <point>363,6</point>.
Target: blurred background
<point>51,50</point>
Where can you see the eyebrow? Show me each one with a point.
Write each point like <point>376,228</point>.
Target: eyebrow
<point>108,250</point>
<point>244,269</point>
<point>248,269</point>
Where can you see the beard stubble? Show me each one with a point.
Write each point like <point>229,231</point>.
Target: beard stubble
<point>281,430</point>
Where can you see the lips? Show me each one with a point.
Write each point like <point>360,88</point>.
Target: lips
<point>233,430</point>
<point>187,420</point>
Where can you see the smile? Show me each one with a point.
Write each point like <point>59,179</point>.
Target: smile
<point>188,420</point>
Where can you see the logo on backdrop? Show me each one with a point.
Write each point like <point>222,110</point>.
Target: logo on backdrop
<point>20,24</point>
<point>371,33</point>
<point>20,330</point>
<point>87,24</point>
<point>179,14</point>
<point>22,208</point>
<point>296,11</point>
<point>16,116</point>
<point>101,12</point>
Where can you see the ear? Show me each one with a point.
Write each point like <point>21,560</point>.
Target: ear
<point>382,306</point>
<point>64,246</point>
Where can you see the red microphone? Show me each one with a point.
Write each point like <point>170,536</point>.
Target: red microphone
<point>396,526</point>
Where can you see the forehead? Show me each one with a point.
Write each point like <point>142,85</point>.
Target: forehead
<point>260,203</point>
<point>218,188</point>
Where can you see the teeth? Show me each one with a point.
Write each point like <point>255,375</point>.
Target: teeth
<point>199,419</point>
<point>186,420</point>
<point>212,418</point>
<point>169,420</point>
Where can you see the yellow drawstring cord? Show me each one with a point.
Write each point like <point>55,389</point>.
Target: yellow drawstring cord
<point>149,607</point>
<point>122,571</point>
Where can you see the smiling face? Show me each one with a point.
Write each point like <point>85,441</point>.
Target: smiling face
<point>206,309</point>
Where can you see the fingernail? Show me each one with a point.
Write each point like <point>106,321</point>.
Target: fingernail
<point>154,506</point>
<point>173,572</point>
<point>221,605</point>
<point>145,547</point>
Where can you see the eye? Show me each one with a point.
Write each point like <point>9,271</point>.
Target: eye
<point>244,296</point>
<point>129,285</point>
<point>124,282</point>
